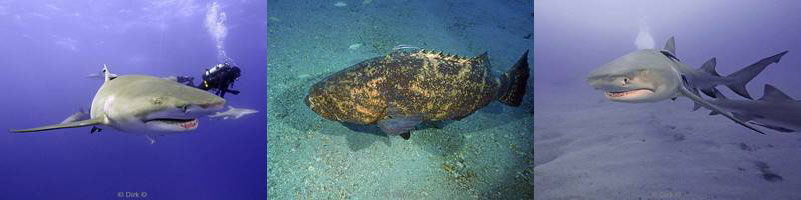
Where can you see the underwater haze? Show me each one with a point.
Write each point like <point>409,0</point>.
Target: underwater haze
<point>587,147</point>
<point>487,155</point>
<point>49,47</point>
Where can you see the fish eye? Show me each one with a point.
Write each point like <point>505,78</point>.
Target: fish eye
<point>625,80</point>
<point>185,108</point>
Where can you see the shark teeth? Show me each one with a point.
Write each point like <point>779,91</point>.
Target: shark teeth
<point>189,125</point>
<point>628,93</point>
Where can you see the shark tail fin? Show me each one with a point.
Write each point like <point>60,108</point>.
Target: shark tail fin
<point>88,122</point>
<point>514,82</point>
<point>743,76</point>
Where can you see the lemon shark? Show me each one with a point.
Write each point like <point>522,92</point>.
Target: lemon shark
<point>144,105</point>
<point>652,75</point>
<point>775,110</point>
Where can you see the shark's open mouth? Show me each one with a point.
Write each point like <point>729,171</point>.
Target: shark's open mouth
<point>629,93</point>
<point>187,124</point>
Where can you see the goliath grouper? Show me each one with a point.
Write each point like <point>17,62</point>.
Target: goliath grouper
<point>405,88</point>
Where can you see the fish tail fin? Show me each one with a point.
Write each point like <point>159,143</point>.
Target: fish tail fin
<point>743,76</point>
<point>514,82</point>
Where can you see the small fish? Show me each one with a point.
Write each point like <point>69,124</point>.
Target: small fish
<point>405,88</point>
<point>405,47</point>
<point>233,113</point>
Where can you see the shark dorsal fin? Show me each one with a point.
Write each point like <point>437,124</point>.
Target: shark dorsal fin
<point>670,46</point>
<point>106,74</point>
<point>774,94</point>
<point>709,66</point>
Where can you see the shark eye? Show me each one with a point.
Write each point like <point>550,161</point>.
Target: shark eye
<point>625,81</point>
<point>185,108</point>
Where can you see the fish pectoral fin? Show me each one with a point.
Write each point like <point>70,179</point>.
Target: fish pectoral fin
<point>88,122</point>
<point>399,125</point>
<point>406,135</point>
<point>706,104</point>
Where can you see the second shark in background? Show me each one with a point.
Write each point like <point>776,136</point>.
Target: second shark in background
<point>775,110</point>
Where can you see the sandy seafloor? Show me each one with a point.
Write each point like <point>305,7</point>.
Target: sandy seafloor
<point>603,150</point>
<point>486,155</point>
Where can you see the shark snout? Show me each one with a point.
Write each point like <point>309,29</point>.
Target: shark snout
<point>605,84</point>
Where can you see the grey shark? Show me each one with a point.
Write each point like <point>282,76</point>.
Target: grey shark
<point>775,110</point>
<point>233,113</point>
<point>651,75</point>
<point>144,105</point>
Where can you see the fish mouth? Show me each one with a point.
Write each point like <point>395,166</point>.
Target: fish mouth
<point>174,124</point>
<point>626,94</point>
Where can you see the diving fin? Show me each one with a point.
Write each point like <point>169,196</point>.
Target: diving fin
<point>88,122</point>
<point>697,99</point>
<point>95,130</point>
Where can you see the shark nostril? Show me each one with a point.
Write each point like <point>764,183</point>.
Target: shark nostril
<point>213,105</point>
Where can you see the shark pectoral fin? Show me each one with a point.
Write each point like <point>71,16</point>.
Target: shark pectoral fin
<point>776,128</point>
<point>743,117</point>
<point>88,122</point>
<point>706,104</point>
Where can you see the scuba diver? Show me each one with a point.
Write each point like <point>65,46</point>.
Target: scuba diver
<point>219,78</point>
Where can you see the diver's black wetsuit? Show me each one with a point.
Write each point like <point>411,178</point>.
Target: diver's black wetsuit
<point>219,78</point>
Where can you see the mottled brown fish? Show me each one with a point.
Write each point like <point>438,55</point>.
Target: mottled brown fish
<point>405,88</point>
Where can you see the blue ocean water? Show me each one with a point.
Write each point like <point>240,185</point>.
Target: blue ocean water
<point>587,147</point>
<point>48,48</point>
<point>487,155</point>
